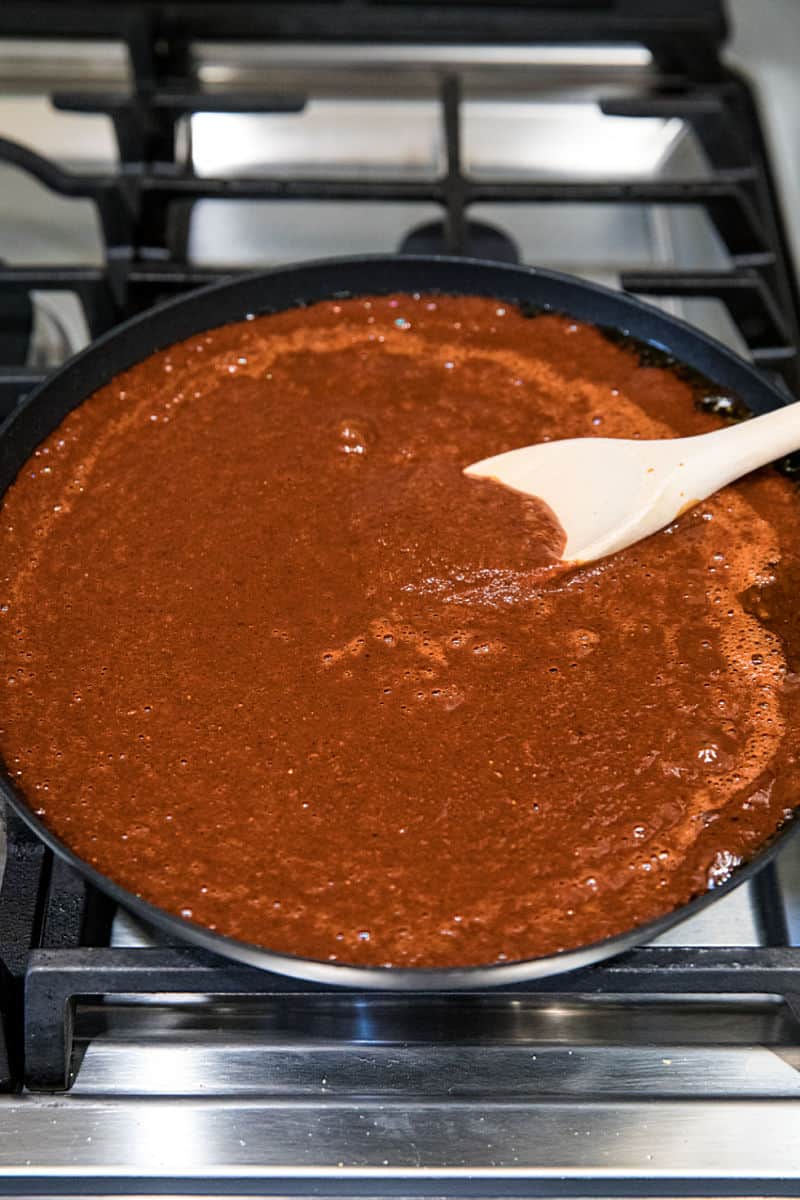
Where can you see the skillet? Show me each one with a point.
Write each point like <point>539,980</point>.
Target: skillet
<point>304,284</point>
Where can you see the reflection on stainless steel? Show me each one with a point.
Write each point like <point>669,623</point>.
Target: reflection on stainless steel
<point>239,60</point>
<point>435,1086</point>
<point>518,1063</point>
<point>389,69</point>
<point>346,137</point>
<point>507,1141</point>
<point>501,138</point>
<point>35,66</point>
<point>513,1088</point>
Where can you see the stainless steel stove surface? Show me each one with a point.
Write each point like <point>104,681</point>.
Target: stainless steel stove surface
<point>607,140</point>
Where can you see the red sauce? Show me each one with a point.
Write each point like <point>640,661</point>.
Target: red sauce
<point>272,662</point>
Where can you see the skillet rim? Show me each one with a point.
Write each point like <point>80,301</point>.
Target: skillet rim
<point>689,346</point>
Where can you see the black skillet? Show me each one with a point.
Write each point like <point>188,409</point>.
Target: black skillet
<point>289,286</point>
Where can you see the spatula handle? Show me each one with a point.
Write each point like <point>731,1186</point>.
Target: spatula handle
<point>727,454</point>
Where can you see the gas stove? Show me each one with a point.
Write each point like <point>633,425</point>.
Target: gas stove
<point>146,148</point>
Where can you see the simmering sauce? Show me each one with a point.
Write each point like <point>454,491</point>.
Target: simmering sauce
<point>272,662</point>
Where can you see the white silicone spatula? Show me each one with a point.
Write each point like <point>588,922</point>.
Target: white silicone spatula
<point>610,492</point>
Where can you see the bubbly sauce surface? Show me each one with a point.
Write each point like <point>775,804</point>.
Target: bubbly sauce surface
<point>273,663</point>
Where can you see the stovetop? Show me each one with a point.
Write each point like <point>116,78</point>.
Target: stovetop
<point>146,148</point>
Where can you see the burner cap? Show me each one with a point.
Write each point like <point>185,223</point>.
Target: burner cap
<point>481,241</point>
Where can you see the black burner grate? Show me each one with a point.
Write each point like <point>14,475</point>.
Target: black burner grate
<point>144,207</point>
<point>54,934</point>
<point>54,931</point>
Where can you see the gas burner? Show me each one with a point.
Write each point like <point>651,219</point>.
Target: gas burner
<point>479,241</point>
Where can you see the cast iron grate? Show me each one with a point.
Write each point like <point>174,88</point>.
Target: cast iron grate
<point>54,930</point>
<point>144,207</point>
<point>54,935</point>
